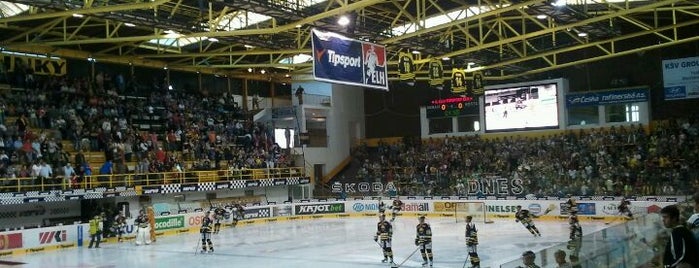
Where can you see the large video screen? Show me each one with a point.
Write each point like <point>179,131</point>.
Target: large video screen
<point>521,108</point>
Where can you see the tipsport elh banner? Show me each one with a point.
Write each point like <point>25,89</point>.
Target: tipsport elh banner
<point>342,60</point>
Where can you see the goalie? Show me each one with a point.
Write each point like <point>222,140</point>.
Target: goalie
<point>525,217</point>
<point>395,208</point>
<point>143,231</point>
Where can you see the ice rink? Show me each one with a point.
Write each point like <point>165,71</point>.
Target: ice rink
<point>327,243</point>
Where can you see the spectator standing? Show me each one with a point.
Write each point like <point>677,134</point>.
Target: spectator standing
<point>681,249</point>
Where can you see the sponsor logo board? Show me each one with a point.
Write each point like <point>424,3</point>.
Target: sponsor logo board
<point>319,209</point>
<point>168,223</point>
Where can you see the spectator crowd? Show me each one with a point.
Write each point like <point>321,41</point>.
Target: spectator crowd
<point>159,131</point>
<point>619,160</point>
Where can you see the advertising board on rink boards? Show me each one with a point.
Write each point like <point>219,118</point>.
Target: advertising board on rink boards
<point>49,238</point>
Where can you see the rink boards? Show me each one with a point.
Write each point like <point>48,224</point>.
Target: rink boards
<point>68,236</point>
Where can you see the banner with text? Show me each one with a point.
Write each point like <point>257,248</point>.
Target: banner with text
<point>39,65</point>
<point>607,97</point>
<point>310,209</point>
<point>342,60</point>
<point>681,78</point>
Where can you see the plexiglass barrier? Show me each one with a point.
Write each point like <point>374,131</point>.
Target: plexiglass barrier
<point>622,245</point>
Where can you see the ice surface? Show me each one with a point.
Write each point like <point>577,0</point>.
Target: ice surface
<point>327,243</point>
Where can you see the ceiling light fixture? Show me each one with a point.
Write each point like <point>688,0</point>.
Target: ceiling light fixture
<point>263,71</point>
<point>128,24</point>
<point>76,15</point>
<point>541,16</point>
<point>446,58</point>
<point>213,39</point>
<point>416,52</point>
<point>343,20</point>
<point>249,70</point>
<point>582,34</point>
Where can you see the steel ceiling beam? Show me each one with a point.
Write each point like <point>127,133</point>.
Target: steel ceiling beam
<point>240,32</point>
<point>85,11</point>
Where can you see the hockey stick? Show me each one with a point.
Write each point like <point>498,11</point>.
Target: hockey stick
<point>411,254</point>
<point>196,248</point>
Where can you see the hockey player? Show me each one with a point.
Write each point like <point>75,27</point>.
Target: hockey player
<point>143,231</point>
<point>472,242</point>
<point>238,214</point>
<point>206,233</point>
<point>382,207</point>
<point>572,205</point>
<point>525,217</point>
<point>395,208</point>
<point>575,228</point>
<point>119,225</point>
<point>218,217</point>
<point>423,239</point>
<point>625,209</point>
<point>384,233</point>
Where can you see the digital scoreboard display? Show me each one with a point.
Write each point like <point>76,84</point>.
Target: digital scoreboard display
<point>452,107</point>
<point>521,108</point>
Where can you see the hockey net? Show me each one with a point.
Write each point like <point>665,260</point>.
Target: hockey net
<point>475,209</point>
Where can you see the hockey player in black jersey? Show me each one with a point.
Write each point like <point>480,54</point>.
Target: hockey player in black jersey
<point>625,209</point>
<point>472,242</point>
<point>384,234</point>
<point>206,233</point>
<point>572,205</point>
<point>525,217</point>
<point>423,239</point>
<point>575,228</point>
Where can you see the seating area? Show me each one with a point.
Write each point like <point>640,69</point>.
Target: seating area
<point>63,132</point>
<point>619,161</point>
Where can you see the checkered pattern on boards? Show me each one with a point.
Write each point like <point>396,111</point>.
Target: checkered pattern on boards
<point>266,182</point>
<point>170,188</point>
<point>12,201</point>
<point>206,186</point>
<point>292,181</point>
<point>237,184</point>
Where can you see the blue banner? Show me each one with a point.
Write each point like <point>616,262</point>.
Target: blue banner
<point>338,59</point>
<point>607,97</point>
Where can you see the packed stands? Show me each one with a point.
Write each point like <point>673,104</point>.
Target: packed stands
<point>620,160</point>
<point>59,131</point>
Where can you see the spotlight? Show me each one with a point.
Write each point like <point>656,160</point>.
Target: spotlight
<point>541,16</point>
<point>76,15</point>
<point>128,24</point>
<point>263,71</point>
<point>416,52</point>
<point>446,58</point>
<point>165,67</point>
<point>343,20</point>
<point>581,34</point>
<point>249,70</point>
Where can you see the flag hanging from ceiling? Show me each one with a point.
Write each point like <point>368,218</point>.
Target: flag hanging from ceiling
<point>406,67</point>
<point>458,81</point>
<point>436,73</point>
<point>478,86</point>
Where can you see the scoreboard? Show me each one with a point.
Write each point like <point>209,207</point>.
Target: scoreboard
<point>452,107</point>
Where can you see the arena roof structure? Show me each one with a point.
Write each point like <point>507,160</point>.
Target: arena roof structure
<point>506,39</point>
